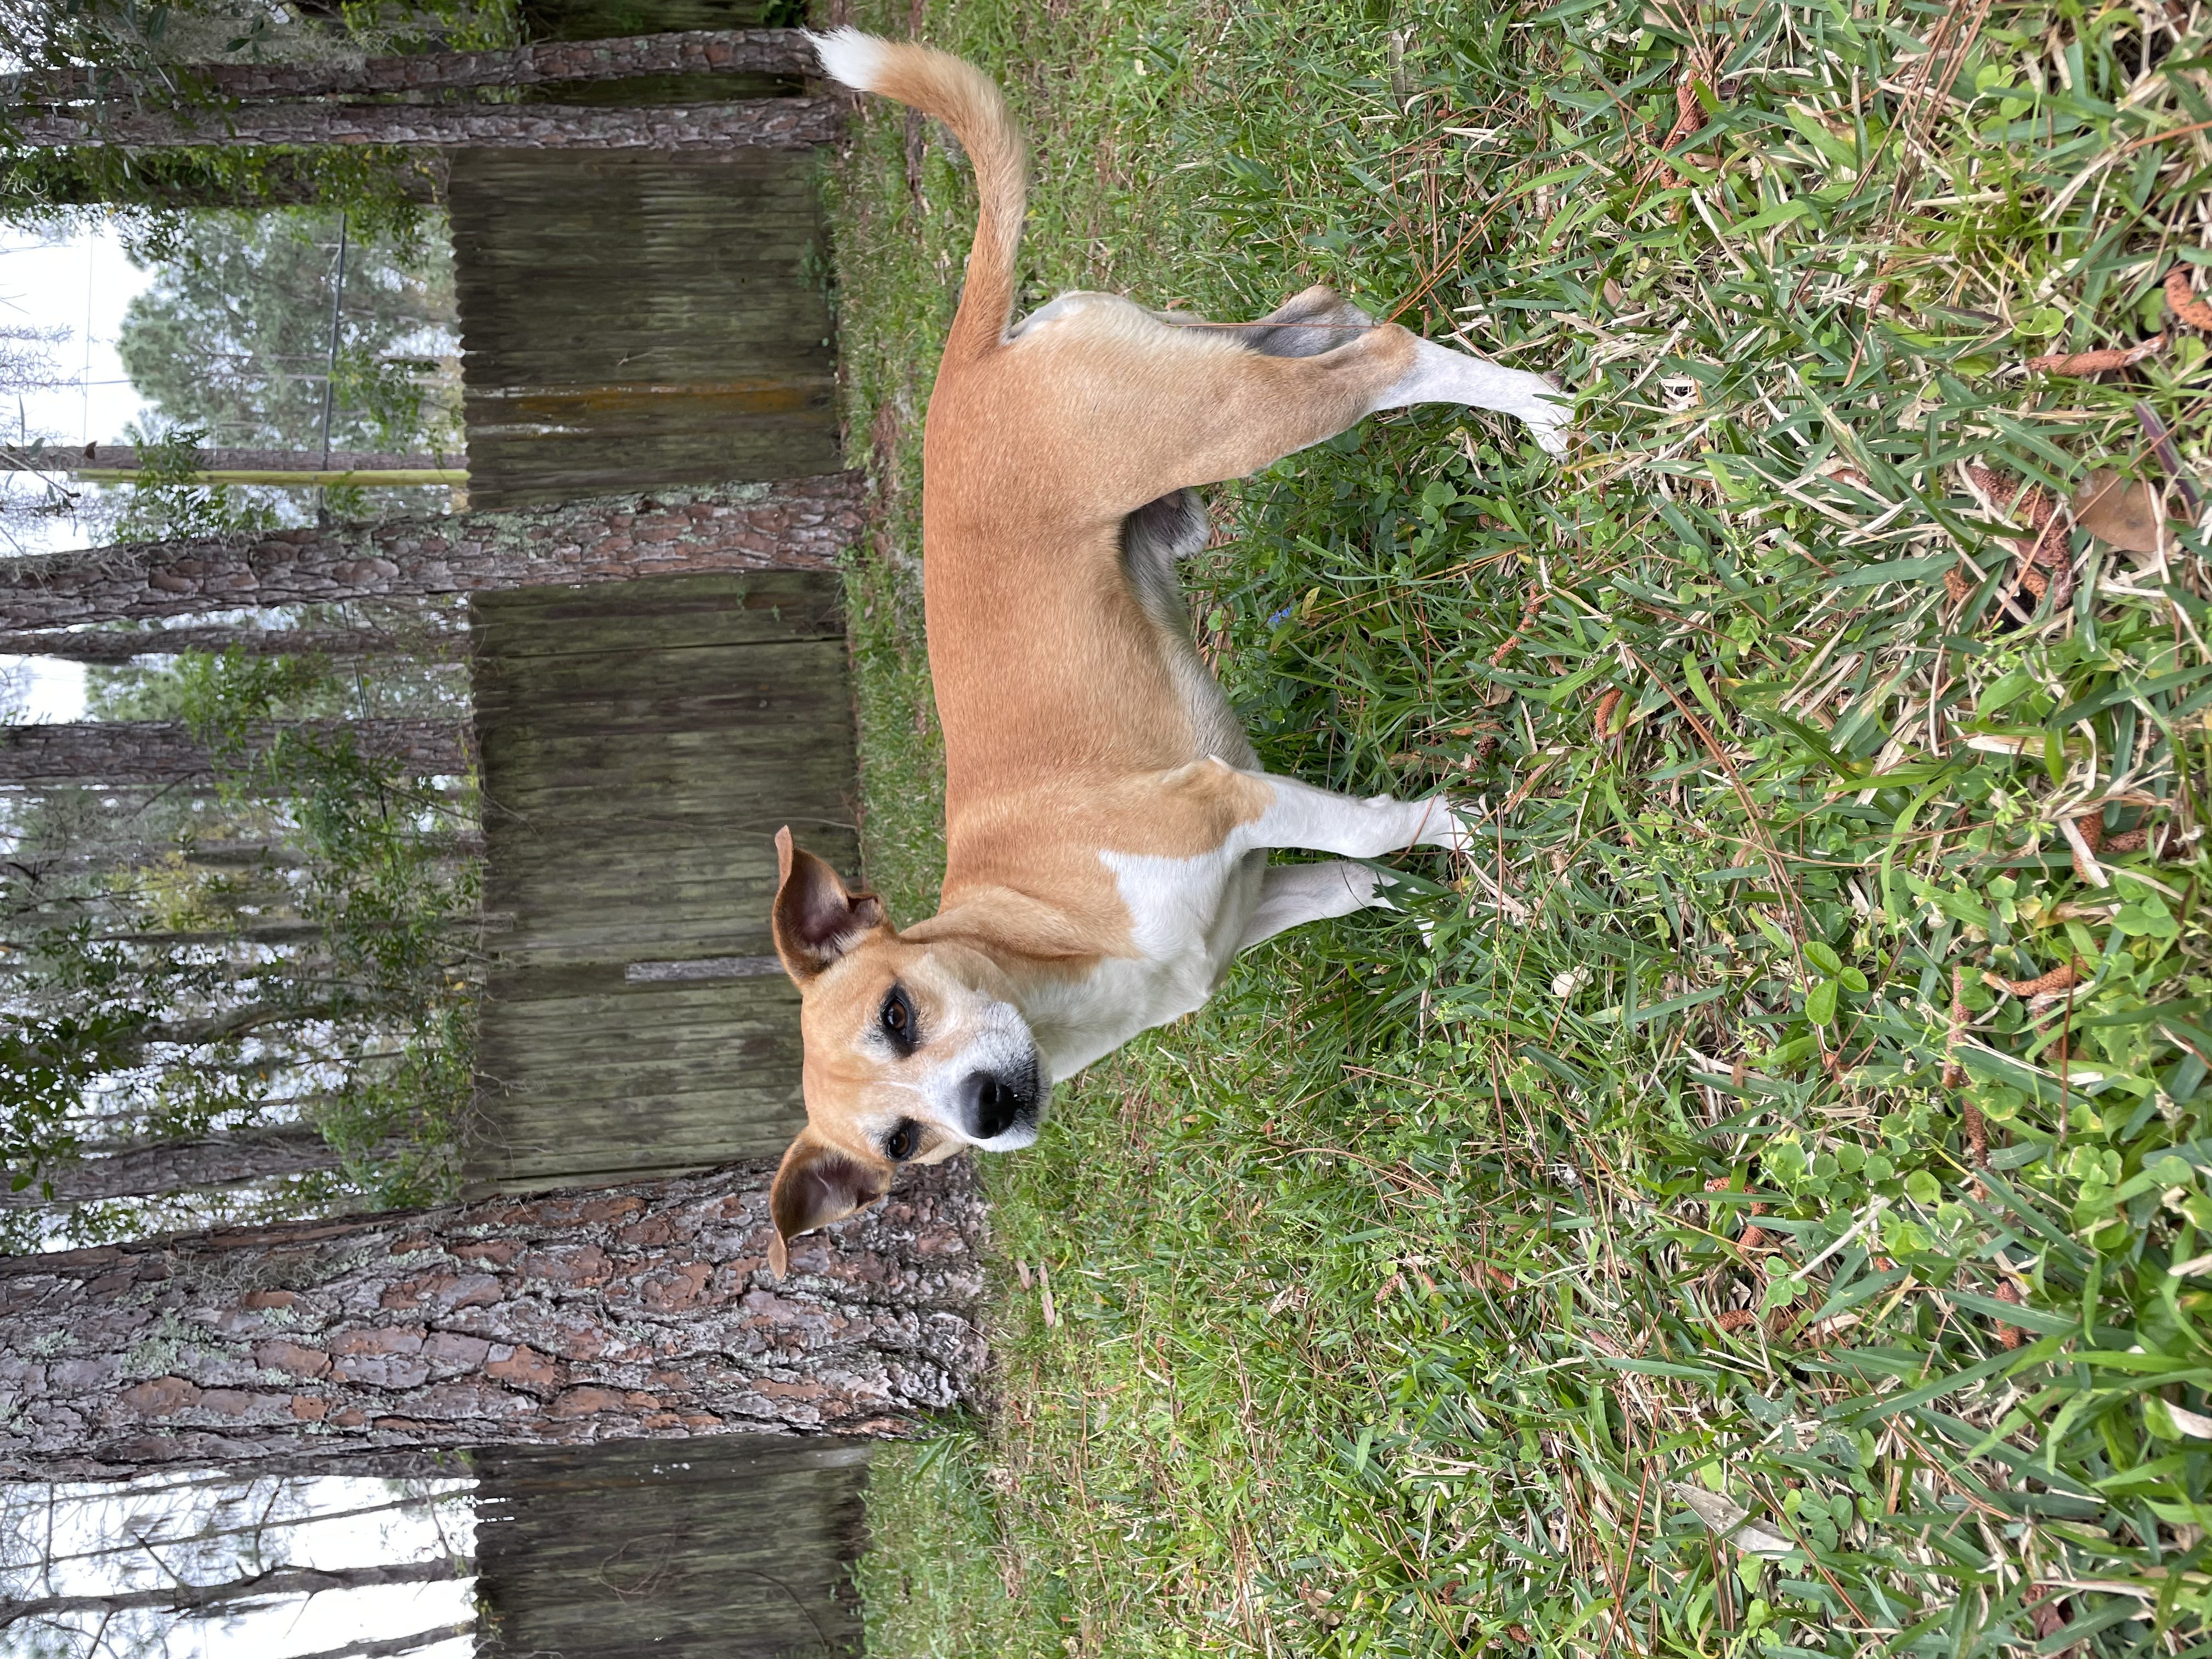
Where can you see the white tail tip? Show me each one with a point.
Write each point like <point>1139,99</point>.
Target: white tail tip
<point>851,57</point>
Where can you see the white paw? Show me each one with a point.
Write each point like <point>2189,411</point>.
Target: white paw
<point>1448,824</point>
<point>1548,426</point>
<point>1548,412</point>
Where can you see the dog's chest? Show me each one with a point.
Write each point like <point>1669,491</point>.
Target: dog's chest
<point>1187,917</point>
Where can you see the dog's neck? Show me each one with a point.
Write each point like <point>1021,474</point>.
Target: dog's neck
<point>1026,937</point>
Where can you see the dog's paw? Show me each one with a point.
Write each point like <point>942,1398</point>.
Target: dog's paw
<point>1448,824</point>
<point>1549,420</point>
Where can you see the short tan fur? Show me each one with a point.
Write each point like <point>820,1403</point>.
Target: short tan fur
<point>1107,826</point>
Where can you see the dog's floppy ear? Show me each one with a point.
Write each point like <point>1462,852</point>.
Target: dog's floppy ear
<point>817,919</point>
<point>815,1185</point>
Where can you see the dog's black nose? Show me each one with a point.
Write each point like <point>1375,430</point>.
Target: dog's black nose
<point>994,1103</point>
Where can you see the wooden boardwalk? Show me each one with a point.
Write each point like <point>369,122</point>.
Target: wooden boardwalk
<point>641,744</point>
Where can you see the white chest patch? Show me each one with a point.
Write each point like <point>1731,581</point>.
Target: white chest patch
<point>1186,917</point>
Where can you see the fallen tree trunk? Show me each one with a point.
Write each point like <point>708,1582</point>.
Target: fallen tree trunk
<point>691,51</point>
<point>772,122</point>
<point>166,751</point>
<point>642,1310</point>
<point>114,646</point>
<point>155,1168</point>
<point>792,524</point>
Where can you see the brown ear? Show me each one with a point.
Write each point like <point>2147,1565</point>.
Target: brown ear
<point>817,921</point>
<point>815,1185</point>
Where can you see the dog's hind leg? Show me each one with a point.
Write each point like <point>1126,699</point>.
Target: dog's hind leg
<point>1174,527</point>
<point>1304,325</point>
<point>1154,539</point>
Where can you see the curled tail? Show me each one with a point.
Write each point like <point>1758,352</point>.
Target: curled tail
<point>965,99</point>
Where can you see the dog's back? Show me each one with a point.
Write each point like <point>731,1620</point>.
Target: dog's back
<point>1059,645</point>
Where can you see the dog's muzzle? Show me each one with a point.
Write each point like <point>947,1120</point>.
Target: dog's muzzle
<point>1001,1107</point>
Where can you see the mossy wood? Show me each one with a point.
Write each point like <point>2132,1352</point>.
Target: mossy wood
<point>633,318</point>
<point>599,20</point>
<point>641,743</point>
<point>739,1546</point>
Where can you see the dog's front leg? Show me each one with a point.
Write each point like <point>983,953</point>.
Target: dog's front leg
<point>1315,820</point>
<point>1295,894</point>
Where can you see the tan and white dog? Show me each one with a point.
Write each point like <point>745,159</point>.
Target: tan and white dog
<point>1107,825</point>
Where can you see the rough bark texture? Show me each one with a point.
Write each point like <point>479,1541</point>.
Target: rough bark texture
<point>183,1166</point>
<point>114,646</point>
<point>166,751</point>
<point>644,1310</point>
<point>775,122</point>
<point>795,524</point>
<point>185,178</point>
<point>696,52</point>
<point>69,457</point>
<point>259,1589</point>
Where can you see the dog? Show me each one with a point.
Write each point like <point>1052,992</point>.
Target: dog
<point>1107,824</point>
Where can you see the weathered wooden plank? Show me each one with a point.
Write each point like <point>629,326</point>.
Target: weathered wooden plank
<point>640,747</point>
<point>711,678</point>
<point>641,319</point>
<point>554,1144</point>
<point>757,607</point>
<point>734,1547</point>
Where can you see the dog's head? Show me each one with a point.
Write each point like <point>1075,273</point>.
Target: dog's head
<point>913,1051</point>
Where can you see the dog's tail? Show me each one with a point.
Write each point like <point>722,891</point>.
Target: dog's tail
<point>965,99</point>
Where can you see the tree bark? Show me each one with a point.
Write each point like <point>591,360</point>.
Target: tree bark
<point>793,524</point>
<point>772,122</point>
<point>182,179</point>
<point>166,751</point>
<point>641,1310</point>
<point>222,854</point>
<point>124,458</point>
<point>109,646</point>
<point>151,1168</point>
<point>390,1646</point>
<point>268,1586</point>
<point>697,51</point>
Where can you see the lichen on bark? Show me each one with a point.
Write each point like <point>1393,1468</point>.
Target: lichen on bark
<point>641,1310</point>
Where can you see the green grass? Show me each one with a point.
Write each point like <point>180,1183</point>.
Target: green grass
<point>1415,1300</point>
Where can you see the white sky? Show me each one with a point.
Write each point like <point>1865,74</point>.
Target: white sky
<point>81,285</point>
<point>88,1550</point>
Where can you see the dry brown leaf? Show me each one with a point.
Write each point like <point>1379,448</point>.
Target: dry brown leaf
<point>2181,298</point>
<point>2063,978</point>
<point>2096,362</point>
<point>2127,513</point>
<point>2139,840</point>
<point>2009,1335</point>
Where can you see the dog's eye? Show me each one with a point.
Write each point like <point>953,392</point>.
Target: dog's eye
<point>896,1017</point>
<point>902,1142</point>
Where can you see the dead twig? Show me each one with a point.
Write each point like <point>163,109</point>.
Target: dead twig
<point>2097,362</point>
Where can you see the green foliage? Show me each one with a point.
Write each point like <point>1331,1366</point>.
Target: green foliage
<point>233,337</point>
<point>1414,1298</point>
<point>168,498</point>
<point>154,993</point>
<point>154,191</point>
<point>44,1065</point>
